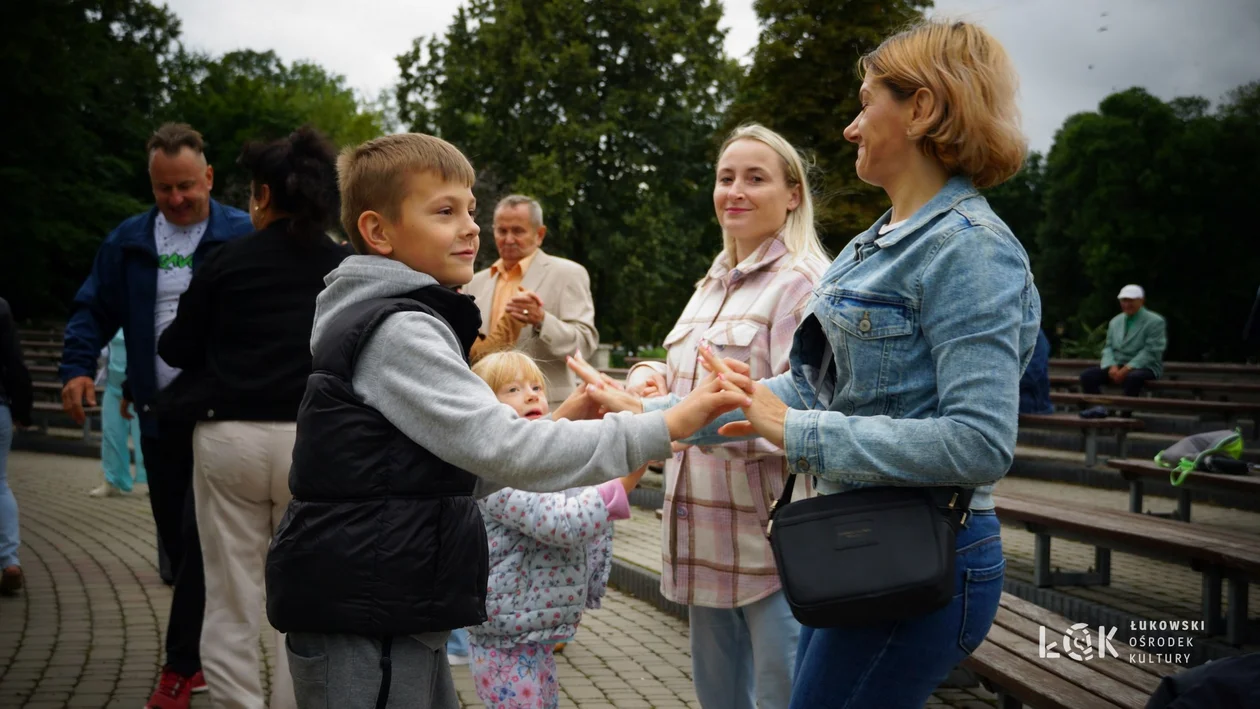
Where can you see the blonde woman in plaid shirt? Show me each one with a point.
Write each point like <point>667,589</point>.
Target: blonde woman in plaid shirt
<point>715,555</point>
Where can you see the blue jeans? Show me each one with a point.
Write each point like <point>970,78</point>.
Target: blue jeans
<point>897,665</point>
<point>742,658</point>
<point>8,505</point>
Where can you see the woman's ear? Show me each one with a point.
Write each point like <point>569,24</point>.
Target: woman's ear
<point>375,232</point>
<point>262,197</point>
<point>794,201</point>
<point>923,113</point>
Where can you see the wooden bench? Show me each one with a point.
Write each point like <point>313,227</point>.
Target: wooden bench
<point>1195,387</point>
<point>34,354</point>
<point>1230,410</point>
<point>1220,555</point>
<point>1138,472</point>
<point>1171,367</point>
<point>1009,663</point>
<point>1089,428</point>
<point>44,409</point>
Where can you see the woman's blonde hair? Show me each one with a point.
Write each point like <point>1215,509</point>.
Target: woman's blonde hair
<point>799,233</point>
<point>500,368</point>
<point>974,127</point>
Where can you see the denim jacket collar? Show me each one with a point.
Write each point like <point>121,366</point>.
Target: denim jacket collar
<point>957,189</point>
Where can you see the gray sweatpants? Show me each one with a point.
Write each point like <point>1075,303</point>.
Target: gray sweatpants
<point>344,671</point>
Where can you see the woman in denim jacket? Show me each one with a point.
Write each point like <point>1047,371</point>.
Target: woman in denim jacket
<point>931,316</point>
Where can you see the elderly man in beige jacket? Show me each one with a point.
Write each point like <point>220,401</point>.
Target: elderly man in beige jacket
<point>547,296</point>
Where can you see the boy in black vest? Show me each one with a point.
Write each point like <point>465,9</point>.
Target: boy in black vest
<point>382,550</point>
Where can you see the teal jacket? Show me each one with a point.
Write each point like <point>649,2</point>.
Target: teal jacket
<point>1143,346</point>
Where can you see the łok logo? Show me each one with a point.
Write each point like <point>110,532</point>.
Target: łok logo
<point>1079,643</point>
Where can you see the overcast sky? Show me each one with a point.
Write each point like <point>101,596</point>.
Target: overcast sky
<point>1069,53</point>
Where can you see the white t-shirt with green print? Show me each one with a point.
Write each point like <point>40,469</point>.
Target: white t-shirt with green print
<point>175,248</point>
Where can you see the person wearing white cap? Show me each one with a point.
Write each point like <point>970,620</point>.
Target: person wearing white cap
<point>1134,353</point>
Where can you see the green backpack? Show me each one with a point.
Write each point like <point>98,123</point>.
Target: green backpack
<point>1189,453</point>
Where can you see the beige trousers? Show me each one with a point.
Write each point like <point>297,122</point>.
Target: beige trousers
<point>241,485</point>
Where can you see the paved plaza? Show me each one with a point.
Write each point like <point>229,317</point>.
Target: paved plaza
<point>87,631</point>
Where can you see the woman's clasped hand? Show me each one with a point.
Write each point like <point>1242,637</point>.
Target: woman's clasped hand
<point>764,412</point>
<point>706,402</point>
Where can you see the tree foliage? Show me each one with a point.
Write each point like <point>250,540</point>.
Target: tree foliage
<point>86,82</point>
<point>606,112</point>
<point>83,80</point>
<point>1153,192</point>
<point>804,84</point>
<point>247,95</point>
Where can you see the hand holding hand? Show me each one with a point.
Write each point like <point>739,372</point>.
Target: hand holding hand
<point>709,400</point>
<point>766,414</point>
<point>646,382</point>
<point>124,408</point>
<point>603,389</point>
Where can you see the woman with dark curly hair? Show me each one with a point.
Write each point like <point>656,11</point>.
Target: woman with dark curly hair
<point>242,337</point>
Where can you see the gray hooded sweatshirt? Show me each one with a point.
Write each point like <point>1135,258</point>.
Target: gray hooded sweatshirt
<point>412,372</point>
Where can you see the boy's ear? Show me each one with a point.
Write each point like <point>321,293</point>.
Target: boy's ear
<point>375,232</point>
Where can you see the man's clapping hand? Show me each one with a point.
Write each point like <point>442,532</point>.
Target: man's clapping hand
<point>526,307</point>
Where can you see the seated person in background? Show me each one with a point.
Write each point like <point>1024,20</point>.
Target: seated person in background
<point>1034,386</point>
<point>1134,353</point>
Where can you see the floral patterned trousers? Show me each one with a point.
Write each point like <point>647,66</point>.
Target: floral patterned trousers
<point>516,677</point>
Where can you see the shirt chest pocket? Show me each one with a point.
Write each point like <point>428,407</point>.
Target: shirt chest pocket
<point>735,340</point>
<point>870,336</point>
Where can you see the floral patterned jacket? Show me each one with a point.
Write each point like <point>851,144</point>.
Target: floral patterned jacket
<point>550,555</point>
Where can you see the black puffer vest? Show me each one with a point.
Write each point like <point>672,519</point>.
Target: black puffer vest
<point>382,537</point>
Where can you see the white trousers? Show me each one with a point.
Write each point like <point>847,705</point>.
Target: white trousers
<point>241,485</point>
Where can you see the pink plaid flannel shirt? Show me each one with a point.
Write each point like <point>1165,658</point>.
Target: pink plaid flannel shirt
<point>717,500</point>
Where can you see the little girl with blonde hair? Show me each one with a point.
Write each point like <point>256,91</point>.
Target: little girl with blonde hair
<point>550,554</point>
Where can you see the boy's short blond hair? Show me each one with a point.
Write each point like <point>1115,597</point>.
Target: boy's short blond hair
<point>373,176</point>
<point>500,368</point>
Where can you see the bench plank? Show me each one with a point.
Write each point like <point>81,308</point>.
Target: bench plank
<point>1074,421</point>
<point>1086,675</point>
<point>1030,683</point>
<point>1170,367</point>
<point>1150,403</point>
<point>1147,470</point>
<point>1172,384</point>
<point>1112,529</point>
<point>1145,676</point>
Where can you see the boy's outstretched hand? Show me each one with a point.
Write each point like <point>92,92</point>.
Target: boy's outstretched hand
<point>706,402</point>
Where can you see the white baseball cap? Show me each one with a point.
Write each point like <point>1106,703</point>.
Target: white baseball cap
<point>1133,292</point>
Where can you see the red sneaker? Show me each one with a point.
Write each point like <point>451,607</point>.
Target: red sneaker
<point>198,683</point>
<point>174,691</point>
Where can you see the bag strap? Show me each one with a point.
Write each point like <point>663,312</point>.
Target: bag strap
<point>954,502</point>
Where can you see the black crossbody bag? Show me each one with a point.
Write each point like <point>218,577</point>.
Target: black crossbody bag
<point>869,555</point>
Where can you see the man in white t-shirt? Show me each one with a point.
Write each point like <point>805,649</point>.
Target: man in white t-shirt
<point>141,270</point>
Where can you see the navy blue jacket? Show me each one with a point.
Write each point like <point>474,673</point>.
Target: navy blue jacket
<point>121,292</point>
<point>1034,386</point>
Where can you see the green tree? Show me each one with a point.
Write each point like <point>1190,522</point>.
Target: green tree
<point>248,95</point>
<point>804,84</point>
<point>1153,192</point>
<point>1019,201</point>
<point>83,80</point>
<point>606,112</point>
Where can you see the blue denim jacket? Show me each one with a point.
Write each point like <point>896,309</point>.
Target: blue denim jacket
<point>930,327</point>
